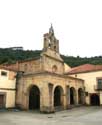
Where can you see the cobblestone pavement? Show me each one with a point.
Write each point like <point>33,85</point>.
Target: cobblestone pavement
<point>75,116</point>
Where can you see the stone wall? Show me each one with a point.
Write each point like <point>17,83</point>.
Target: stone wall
<point>30,66</point>
<point>46,82</point>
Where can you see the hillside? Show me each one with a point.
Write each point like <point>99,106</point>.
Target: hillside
<point>11,56</point>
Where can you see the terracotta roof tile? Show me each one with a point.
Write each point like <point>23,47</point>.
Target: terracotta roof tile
<point>85,68</point>
<point>7,68</point>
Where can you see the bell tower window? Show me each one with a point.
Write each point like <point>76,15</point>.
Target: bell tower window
<point>50,41</point>
<point>55,48</point>
<point>49,45</point>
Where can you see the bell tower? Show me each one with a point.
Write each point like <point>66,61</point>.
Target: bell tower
<point>52,61</point>
<point>50,41</point>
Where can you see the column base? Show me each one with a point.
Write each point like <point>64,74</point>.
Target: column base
<point>47,109</point>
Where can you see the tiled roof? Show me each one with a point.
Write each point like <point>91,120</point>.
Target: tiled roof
<point>30,59</point>
<point>84,68</point>
<point>7,68</point>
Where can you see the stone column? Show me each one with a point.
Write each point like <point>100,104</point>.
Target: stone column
<point>76,97</point>
<point>64,103</point>
<point>100,97</point>
<point>51,104</point>
<point>25,101</point>
<point>47,105</point>
<point>83,97</point>
<point>67,96</point>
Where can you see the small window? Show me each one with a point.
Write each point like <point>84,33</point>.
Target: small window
<point>99,81</point>
<point>86,93</point>
<point>3,73</point>
<point>76,75</point>
<point>49,45</point>
<point>54,68</point>
<point>54,47</point>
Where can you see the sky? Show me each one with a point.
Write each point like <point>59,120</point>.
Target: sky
<point>77,25</point>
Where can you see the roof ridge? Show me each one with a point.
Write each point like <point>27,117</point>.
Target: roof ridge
<point>85,68</point>
<point>81,66</point>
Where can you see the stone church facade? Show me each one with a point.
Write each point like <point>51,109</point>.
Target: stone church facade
<point>42,83</point>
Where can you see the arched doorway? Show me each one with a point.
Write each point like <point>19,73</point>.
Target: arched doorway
<point>34,97</point>
<point>72,96</point>
<point>94,100</point>
<point>80,96</point>
<point>58,96</point>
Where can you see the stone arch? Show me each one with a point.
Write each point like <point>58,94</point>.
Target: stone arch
<point>72,96</point>
<point>58,96</point>
<point>80,96</point>
<point>34,97</point>
<point>94,99</point>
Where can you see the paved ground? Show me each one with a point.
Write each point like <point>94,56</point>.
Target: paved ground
<point>76,116</point>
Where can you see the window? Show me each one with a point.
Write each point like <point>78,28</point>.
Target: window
<point>99,81</point>
<point>86,93</point>
<point>76,75</point>
<point>3,73</point>
<point>49,45</point>
<point>54,47</point>
<point>54,68</point>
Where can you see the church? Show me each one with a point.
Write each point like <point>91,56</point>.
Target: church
<point>42,83</point>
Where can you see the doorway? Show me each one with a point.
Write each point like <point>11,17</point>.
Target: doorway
<point>58,96</point>
<point>80,96</point>
<point>34,98</point>
<point>2,101</point>
<point>94,100</point>
<point>72,96</point>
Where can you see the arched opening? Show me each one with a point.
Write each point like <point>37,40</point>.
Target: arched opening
<point>58,96</point>
<point>55,48</point>
<point>72,96</point>
<point>34,97</point>
<point>80,96</point>
<point>94,100</point>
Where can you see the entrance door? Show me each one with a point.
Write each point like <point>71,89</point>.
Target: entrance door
<point>34,98</point>
<point>72,96</point>
<point>1,101</point>
<point>57,97</point>
<point>80,96</point>
<point>94,100</point>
